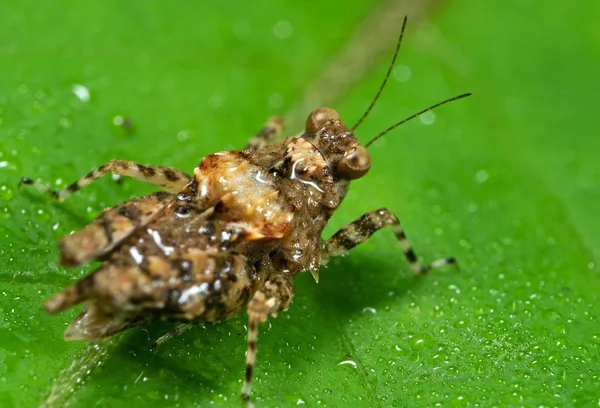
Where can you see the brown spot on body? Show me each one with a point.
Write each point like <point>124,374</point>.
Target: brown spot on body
<point>411,256</point>
<point>146,170</point>
<point>184,269</point>
<point>162,195</point>
<point>170,175</point>
<point>129,212</point>
<point>72,187</point>
<point>106,227</point>
<point>184,209</point>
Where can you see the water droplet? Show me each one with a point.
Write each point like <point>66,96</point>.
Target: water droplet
<point>482,176</point>
<point>64,122</point>
<point>81,92</point>
<point>4,164</point>
<point>420,342</point>
<point>460,324</point>
<point>6,213</point>
<point>6,194</point>
<point>402,73</point>
<point>183,135</point>
<point>283,29</point>
<point>118,120</point>
<point>427,118</point>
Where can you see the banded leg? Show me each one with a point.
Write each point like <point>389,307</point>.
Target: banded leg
<point>276,295</point>
<point>361,230</point>
<point>268,134</point>
<point>168,178</point>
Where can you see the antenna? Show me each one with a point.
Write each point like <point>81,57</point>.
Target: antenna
<point>415,115</point>
<point>387,75</point>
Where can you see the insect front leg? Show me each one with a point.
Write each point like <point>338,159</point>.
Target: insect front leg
<point>275,295</point>
<point>168,178</point>
<point>361,230</point>
<point>268,134</point>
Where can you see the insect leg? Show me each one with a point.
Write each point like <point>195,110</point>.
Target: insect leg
<point>361,230</point>
<point>168,178</point>
<point>269,133</point>
<point>180,328</point>
<point>276,295</point>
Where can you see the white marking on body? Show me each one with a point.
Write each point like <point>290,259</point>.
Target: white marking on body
<point>225,236</point>
<point>187,294</point>
<point>259,178</point>
<point>203,190</point>
<point>135,254</point>
<point>168,250</point>
<point>295,177</point>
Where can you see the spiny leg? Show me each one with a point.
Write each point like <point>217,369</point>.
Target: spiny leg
<point>276,295</point>
<point>179,329</point>
<point>268,134</point>
<point>168,178</point>
<point>361,230</point>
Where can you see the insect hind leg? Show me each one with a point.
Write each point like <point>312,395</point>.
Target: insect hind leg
<point>168,178</point>
<point>360,231</point>
<point>268,134</point>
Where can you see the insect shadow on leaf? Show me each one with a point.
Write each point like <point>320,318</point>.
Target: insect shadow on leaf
<point>232,235</point>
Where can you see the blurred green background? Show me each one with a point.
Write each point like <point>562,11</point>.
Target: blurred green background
<point>506,181</point>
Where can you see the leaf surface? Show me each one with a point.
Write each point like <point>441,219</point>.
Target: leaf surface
<point>506,181</point>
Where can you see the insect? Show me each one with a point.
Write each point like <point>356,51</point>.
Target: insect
<point>232,236</point>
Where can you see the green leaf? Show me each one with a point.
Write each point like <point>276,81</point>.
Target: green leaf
<point>506,181</point>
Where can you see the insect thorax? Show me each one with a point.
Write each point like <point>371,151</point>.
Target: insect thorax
<point>280,197</point>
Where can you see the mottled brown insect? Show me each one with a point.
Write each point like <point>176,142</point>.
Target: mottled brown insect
<point>232,236</point>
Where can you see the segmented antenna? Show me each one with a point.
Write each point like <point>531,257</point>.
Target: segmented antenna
<point>415,115</point>
<point>387,75</point>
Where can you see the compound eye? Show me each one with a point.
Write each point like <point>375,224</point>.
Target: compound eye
<point>319,118</point>
<point>355,164</point>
